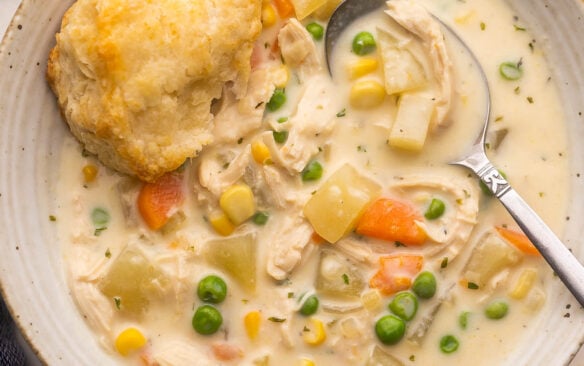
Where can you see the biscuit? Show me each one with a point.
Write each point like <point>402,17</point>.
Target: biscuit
<point>135,79</point>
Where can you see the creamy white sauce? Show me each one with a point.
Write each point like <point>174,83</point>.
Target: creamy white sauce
<point>532,155</point>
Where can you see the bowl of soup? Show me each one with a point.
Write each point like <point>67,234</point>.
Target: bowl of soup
<point>322,223</point>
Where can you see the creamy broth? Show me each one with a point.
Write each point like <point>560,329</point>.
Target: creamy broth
<point>528,108</point>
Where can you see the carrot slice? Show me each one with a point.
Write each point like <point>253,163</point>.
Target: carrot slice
<point>519,240</point>
<point>391,220</point>
<point>285,8</point>
<point>157,200</point>
<point>396,272</point>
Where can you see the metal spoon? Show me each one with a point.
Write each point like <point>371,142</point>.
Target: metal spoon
<point>562,261</point>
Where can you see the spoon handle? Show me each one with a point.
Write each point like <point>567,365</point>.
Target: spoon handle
<point>563,262</point>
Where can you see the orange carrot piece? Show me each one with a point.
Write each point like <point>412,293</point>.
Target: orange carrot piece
<point>391,220</point>
<point>396,272</point>
<point>519,240</point>
<point>285,8</point>
<point>157,200</point>
<point>317,239</point>
<point>226,352</point>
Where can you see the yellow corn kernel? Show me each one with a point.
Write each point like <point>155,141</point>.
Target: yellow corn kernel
<point>89,173</point>
<point>238,203</point>
<point>363,66</point>
<point>306,362</point>
<point>260,152</point>
<point>283,76</point>
<point>221,223</point>
<point>131,339</point>
<point>366,94</point>
<point>371,300</point>
<point>524,284</point>
<point>315,333</point>
<point>252,321</point>
<point>268,15</point>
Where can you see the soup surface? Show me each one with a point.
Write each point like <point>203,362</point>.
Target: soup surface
<point>324,225</point>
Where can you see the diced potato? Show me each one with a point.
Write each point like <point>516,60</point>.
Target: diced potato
<point>338,276</point>
<point>335,207</point>
<point>381,358</point>
<point>350,328</point>
<point>132,280</point>
<point>411,123</point>
<point>327,9</point>
<point>235,256</point>
<point>304,8</point>
<point>491,256</point>
<point>524,283</point>
<point>403,72</point>
<point>535,299</point>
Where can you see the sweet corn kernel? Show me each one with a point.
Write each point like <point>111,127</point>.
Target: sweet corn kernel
<point>366,94</point>
<point>131,339</point>
<point>371,300</point>
<point>252,322</point>
<point>89,173</point>
<point>315,333</point>
<point>306,362</point>
<point>221,223</point>
<point>269,16</point>
<point>283,77</point>
<point>525,282</point>
<point>362,67</point>
<point>238,203</point>
<point>260,152</point>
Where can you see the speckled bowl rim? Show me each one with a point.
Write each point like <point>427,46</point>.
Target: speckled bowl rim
<point>32,280</point>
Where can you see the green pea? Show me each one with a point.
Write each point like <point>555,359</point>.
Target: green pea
<point>277,100</point>
<point>280,136</point>
<point>435,210</point>
<point>260,218</point>
<point>312,171</point>
<point>425,285</point>
<point>207,320</point>
<point>310,306</point>
<point>363,43</point>
<point>448,343</point>
<point>100,217</point>
<point>404,305</point>
<point>511,70</point>
<point>316,30</point>
<point>496,309</point>
<point>212,289</point>
<point>390,329</point>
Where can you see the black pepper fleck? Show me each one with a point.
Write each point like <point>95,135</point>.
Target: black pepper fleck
<point>19,26</point>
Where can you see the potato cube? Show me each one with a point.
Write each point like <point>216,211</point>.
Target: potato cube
<point>335,207</point>
<point>235,256</point>
<point>411,124</point>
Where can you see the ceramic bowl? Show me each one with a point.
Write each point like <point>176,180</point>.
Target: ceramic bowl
<point>32,276</point>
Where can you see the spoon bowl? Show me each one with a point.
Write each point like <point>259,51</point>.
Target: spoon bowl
<point>558,256</point>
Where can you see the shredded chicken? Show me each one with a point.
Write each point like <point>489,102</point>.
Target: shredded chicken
<point>285,249</point>
<point>416,19</point>
<point>298,49</point>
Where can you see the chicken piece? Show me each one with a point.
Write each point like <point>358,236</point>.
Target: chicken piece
<point>298,49</point>
<point>238,118</point>
<point>180,352</point>
<point>311,124</point>
<point>214,176</point>
<point>290,239</point>
<point>416,20</point>
<point>96,308</point>
<point>452,230</point>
